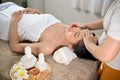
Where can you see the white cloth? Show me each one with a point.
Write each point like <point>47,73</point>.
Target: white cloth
<point>64,55</point>
<point>112,29</point>
<point>93,6</point>
<point>5,17</point>
<point>30,27</point>
<point>6,5</point>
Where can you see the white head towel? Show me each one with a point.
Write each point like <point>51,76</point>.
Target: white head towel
<point>64,55</point>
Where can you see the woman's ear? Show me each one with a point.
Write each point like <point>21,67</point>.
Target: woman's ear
<point>69,28</point>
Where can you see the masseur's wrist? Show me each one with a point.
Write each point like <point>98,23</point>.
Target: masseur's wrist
<point>85,26</point>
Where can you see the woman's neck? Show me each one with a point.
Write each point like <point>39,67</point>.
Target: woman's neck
<point>61,38</point>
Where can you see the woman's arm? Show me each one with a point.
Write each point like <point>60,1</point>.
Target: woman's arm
<point>105,52</point>
<point>15,44</point>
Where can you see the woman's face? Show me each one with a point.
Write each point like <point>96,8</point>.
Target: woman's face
<point>74,34</point>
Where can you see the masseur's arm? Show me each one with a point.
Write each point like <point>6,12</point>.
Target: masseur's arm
<point>105,52</point>
<point>95,25</point>
<point>15,44</point>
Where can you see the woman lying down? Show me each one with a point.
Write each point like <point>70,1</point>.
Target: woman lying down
<point>45,31</point>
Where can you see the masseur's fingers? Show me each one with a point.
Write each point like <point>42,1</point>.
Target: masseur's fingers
<point>78,25</point>
<point>85,33</point>
<point>88,37</point>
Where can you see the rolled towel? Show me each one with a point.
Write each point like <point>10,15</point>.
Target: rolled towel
<point>64,55</point>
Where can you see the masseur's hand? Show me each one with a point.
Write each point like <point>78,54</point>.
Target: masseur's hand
<point>77,25</point>
<point>16,16</point>
<point>80,25</point>
<point>89,38</point>
<point>31,11</point>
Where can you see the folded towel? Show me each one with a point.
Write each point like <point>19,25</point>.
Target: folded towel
<point>64,55</point>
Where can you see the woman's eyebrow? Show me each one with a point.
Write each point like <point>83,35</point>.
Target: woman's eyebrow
<point>77,34</point>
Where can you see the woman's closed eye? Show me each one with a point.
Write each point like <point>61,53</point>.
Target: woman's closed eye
<point>77,34</point>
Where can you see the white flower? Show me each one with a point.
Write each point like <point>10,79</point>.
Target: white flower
<point>17,67</point>
<point>21,74</point>
<point>19,71</point>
